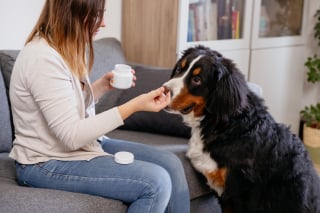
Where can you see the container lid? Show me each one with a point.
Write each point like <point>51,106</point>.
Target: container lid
<point>123,157</point>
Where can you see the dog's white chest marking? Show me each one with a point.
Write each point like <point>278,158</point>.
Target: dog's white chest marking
<point>201,160</point>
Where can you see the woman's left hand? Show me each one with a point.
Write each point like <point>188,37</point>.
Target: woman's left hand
<point>103,84</point>
<point>109,77</point>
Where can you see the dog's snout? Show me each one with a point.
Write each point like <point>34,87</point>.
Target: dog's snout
<point>168,90</point>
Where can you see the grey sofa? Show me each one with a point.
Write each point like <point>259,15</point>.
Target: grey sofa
<point>162,130</point>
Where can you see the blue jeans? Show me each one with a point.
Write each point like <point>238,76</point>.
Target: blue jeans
<point>154,182</point>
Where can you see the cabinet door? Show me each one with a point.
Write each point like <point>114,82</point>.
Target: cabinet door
<point>219,24</point>
<point>149,31</point>
<point>278,23</point>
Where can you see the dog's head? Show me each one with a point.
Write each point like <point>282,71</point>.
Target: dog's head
<point>204,82</point>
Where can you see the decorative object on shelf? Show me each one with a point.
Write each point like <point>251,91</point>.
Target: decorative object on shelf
<point>281,18</point>
<point>264,22</point>
<point>310,115</point>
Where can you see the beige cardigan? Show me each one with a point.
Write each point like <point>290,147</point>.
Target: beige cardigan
<point>48,110</point>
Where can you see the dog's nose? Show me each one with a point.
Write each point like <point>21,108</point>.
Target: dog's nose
<point>167,89</point>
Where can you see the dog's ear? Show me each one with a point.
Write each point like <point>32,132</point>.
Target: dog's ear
<point>228,95</point>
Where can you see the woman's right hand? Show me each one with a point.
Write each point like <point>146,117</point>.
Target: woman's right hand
<point>103,84</point>
<point>153,101</point>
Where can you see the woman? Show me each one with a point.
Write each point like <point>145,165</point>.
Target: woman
<point>58,141</point>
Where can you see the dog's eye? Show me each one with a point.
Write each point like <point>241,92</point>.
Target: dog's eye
<point>178,70</point>
<point>196,80</point>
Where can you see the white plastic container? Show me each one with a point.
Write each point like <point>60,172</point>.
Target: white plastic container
<point>122,76</point>
<point>124,157</point>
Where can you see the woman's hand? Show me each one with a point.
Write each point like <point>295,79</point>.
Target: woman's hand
<point>153,101</point>
<point>102,85</point>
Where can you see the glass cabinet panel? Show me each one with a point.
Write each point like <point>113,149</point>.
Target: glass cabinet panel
<point>215,20</point>
<point>280,18</point>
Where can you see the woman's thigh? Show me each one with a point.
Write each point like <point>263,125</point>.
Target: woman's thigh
<point>100,176</point>
<point>141,151</point>
<point>180,200</point>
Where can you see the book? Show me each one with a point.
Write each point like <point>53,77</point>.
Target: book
<point>201,21</point>
<point>235,24</point>
<point>212,17</point>
<point>191,27</point>
<point>224,19</point>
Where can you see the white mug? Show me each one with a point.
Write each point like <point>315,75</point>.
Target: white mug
<point>122,76</point>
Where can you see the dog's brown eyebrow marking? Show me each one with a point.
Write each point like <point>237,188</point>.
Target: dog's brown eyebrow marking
<point>196,71</point>
<point>183,63</point>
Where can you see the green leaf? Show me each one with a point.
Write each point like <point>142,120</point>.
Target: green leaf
<point>311,114</point>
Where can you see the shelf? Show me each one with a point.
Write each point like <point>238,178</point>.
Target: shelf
<point>220,24</point>
<point>280,23</point>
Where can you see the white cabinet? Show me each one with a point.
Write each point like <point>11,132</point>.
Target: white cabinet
<point>220,24</point>
<point>223,25</point>
<point>280,72</point>
<point>245,24</point>
<point>241,24</point>
<point>278,23</point>
<point>277,56</point>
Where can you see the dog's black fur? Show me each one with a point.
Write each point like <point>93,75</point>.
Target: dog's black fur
<point>267,167</point>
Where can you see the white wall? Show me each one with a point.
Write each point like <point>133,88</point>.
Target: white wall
<point>112,19</point>
<point>17,19</point>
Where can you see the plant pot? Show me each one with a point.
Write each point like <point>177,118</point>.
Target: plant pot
<point>311,139</point>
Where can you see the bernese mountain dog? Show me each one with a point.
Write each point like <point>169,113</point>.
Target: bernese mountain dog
<point>252,162</point>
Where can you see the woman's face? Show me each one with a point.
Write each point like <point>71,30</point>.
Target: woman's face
<point>98,25</point>
<point>97,28</point>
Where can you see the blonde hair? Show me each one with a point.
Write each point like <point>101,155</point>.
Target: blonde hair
<point>68,26</point>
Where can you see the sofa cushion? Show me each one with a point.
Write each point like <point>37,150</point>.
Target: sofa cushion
<point>107,53</point>
<point>7,60</point>
<point>149,78</point>
<point>5,121</point>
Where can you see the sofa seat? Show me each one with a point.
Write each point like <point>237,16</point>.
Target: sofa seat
<point>14,198</point>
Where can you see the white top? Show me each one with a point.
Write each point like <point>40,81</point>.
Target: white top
<point>50,112</point>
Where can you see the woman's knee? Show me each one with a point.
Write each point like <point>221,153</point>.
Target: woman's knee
<point>162,180</point>
<point>158,185</point>
<point>155,191</point>
<point>171,161</point>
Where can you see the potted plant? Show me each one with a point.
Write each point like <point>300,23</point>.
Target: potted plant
<point>310,115</point>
